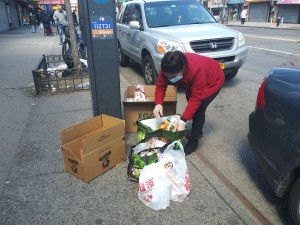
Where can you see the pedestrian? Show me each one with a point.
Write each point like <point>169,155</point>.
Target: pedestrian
<point>200,77</point>
<point>75,20</point>
<point>46,23</point>
<point>51,18</point>
<point>243,16</point>
<point>60,18</point>
<point>33,22</point>
<point>39,20</point>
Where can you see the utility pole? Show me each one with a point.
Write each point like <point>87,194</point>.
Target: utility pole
<point>73,40</point>
<point>224,12</point>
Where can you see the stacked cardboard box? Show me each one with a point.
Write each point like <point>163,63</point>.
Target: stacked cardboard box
<point>94,146</point>
<point>135,111</point>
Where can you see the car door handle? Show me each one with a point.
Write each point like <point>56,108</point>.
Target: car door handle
<point>123,32</point>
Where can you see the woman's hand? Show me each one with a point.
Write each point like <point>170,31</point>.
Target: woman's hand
<point>158,111</point>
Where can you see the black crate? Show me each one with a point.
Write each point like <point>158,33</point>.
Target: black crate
<point>49,79</point>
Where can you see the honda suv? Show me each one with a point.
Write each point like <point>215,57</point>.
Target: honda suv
<point>147,29</point>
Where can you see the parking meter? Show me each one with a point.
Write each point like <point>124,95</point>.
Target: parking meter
<point>97,20</point>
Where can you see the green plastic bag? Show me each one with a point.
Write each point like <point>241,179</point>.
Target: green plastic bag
<point>148,128</point>
<point>137,161</point>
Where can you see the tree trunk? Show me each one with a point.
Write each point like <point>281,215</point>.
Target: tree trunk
<point>75,54</point>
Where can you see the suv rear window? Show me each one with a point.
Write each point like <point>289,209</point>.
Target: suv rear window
<point>161,14</point>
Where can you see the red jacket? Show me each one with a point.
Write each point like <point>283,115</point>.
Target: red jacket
<point>201,78</point>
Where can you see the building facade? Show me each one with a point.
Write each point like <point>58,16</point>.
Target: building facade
<point>15,13</point>
<point>287,11</point>
<point>9,18</point>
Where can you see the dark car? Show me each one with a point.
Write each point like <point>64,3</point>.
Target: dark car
<point>274,133</point>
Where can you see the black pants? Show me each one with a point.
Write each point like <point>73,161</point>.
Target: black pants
<point>199,117</point>
<point>243,20</point>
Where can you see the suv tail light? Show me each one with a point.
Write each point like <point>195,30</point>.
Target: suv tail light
<point>260,100</point>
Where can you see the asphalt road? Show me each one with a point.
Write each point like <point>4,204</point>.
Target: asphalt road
<point>225,144</point>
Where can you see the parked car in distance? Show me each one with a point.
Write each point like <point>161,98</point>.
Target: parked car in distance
<point>274,133</point>
<point>147,29</point>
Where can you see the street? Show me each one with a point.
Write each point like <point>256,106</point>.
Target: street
<point>225,142</point>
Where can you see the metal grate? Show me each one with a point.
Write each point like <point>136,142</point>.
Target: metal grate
<point>212,45</point>
<point>47,79</point>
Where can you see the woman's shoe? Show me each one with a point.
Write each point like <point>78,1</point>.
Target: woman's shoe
<point>191,146</point>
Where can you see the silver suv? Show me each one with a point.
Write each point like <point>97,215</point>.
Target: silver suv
<point>147,29</point>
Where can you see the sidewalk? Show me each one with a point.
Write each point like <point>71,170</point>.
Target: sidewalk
<point>35,189</point>
<point>268,25</point>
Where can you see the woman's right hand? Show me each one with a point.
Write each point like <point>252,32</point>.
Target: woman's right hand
<point>158,111</point>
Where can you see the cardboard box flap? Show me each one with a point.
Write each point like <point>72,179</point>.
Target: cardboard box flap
<point>102,137</point>
<point>91,125</point>
<point>80,129</point>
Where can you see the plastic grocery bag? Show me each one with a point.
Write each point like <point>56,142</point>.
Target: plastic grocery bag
<point>160,127</point>
<point>176,171</point>
<point>154,187</point>
<point>168,179</point>
<point>144,153</point>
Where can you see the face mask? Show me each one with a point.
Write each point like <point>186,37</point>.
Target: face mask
<point>176,79</point>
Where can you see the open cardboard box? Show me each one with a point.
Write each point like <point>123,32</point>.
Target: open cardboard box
<point>135,111</point>
<point>94,146</point>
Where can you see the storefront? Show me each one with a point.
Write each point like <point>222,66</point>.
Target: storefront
<point>23,11</point>
<point>216,7</point>
<point>235,8</point>
<point>258,10</point>
<point>3,16</point>
<point>289,10</point>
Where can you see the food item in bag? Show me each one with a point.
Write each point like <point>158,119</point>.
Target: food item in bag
<point>139,94</point>
<point>140,160</point>
<point>169,124</point>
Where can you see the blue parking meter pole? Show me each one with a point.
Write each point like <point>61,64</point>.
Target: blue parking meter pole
<point>98,25</point>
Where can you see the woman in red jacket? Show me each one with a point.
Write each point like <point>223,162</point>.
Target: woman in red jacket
<point>201,78</point>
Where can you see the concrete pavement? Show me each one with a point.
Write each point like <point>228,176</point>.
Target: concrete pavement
<point>267,25</point>
<point>34,187</point>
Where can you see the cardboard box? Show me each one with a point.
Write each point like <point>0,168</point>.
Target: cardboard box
<point>134,111</point>
<point>94,146</point>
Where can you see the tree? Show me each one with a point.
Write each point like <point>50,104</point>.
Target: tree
<point>75,54</point>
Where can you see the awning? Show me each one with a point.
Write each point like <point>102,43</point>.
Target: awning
<point>231,2</point>
<point>288,1</point>
<point>257,0</point>
<point>46,2</point>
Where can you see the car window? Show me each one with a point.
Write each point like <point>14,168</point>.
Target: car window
<point>132,12</point>
<point>160,14</point>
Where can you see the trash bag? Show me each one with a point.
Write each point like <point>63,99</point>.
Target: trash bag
<point>153,127</point>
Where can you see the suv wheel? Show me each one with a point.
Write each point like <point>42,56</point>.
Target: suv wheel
<point>294,202</point>
<point>149,70</point>
<point>123,59</point>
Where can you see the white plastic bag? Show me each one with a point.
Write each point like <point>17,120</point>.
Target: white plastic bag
<point>176,171</point>
<point>154,187</point>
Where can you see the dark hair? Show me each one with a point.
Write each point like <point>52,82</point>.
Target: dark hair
<point>173,62</point>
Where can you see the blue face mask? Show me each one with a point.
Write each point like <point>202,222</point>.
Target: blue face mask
<point>176,79</point>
